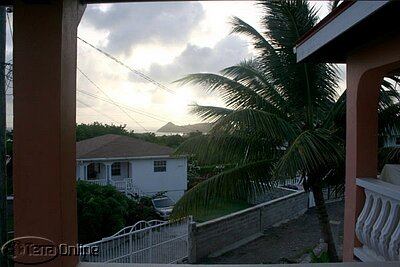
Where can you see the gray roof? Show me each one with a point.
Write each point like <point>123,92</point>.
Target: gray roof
<point>118,146</point>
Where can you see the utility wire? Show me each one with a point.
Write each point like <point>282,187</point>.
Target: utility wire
<point>116,104</point>
<point>87,105</point>
<point>144,76</point>
<point>123,110</point>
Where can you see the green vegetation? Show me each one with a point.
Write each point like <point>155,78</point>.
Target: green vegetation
<point>102,211</point>
<point>281,118</point>
<point>86,131</point>
<point>323,258</point>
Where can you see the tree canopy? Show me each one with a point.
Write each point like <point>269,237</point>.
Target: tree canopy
<point>281,119</point>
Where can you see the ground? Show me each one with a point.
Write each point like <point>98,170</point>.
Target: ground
<point>287,241</point>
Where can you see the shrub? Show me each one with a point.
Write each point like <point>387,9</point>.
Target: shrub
<point>102,211</point>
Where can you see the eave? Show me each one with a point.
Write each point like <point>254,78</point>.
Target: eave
<point>350,26</point>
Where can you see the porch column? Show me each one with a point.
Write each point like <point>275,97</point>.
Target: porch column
<point>44,122</point>
<point>131,169</point>
<point>83,171</point>
<point>365,71</point>
<point>108,172</point>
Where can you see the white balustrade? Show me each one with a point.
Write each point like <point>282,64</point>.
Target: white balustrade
<point>125,185</point>
<point>98,182</point>
<point>378,226</point>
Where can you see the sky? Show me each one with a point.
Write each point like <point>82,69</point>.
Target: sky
<point>161,42</point>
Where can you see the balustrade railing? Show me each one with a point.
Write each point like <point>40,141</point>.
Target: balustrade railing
<point>98,182</point>
<point>378,226</point>
<point>125,185</point>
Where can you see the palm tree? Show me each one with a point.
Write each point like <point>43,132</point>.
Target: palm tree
<point>281,120</point>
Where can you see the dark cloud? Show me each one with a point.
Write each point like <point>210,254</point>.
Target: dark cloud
<point>227,52</point>
<point>138,23</point>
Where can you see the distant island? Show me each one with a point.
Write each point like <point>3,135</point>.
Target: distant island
<point>184,129</point>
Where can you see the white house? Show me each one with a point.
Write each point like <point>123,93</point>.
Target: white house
<point>131,165</point>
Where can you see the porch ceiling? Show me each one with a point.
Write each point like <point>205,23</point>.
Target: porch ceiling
<point>348,28</point>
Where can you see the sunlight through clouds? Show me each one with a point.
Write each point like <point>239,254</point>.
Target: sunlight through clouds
<point>164,41</point>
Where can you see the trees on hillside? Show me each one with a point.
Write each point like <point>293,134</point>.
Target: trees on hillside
<point>282,119</point>
<point>86,131</point>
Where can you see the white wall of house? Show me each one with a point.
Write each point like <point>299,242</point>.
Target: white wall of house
<point>173,180</point>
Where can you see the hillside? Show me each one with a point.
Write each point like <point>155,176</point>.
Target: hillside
<point>173,128</point>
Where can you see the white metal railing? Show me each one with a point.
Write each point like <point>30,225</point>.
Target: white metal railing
<point>144,242</point>
<point>378,226</point>
<point>292,181</point>
<point>98,182</point>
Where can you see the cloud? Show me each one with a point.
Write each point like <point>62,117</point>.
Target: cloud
<point>139,23</point>
<point>227,52</point>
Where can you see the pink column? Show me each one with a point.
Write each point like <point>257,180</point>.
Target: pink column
<point>44,121</point>
<point>366,68</point>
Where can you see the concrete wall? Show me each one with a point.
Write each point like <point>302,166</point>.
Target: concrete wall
<point>223,233</point>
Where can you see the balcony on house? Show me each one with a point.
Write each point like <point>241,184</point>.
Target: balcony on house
<point>378,225</point>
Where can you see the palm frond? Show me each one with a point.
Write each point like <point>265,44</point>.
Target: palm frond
<point>310,152</point>
<point>389,121</point>
<point>234,94</point>
<point>249,73</point>
<point>257,123</point>
<point>225,148</point>
<point>336,116</point>
<point>210,113</point>
<point>334,4</point>
<point>389,155</point>
<point>235,184</point>
<point>261,44</point>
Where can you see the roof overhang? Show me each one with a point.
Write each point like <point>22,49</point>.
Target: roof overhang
<point>351,25</point>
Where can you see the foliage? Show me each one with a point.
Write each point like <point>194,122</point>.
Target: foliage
<point>323,258</point>
<point>102,211</point>
<point>281,118</point>
<point>86,131</point>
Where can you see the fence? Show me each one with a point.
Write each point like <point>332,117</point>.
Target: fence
<point>145,242</point>
<point>125,186</point>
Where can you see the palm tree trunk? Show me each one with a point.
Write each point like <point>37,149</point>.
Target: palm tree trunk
<point>323,219</point>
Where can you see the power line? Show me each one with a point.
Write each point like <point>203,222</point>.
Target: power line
<point>128,108</point>
<point>98,87</point>
<point>87,105</point>
<point>142,75</point>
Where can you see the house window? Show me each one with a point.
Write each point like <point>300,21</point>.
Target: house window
<point>116,169</point>
<point>160,166</point>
